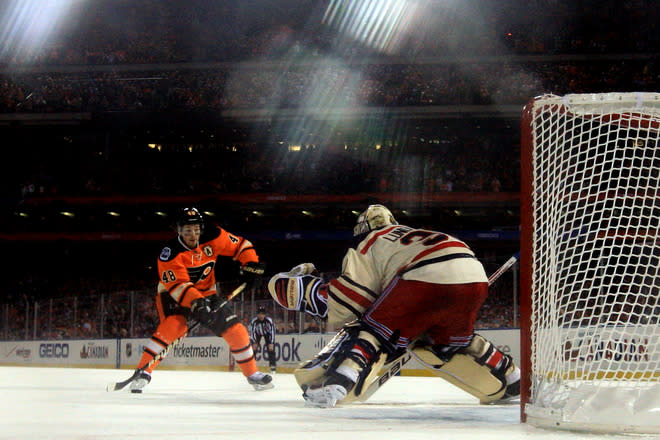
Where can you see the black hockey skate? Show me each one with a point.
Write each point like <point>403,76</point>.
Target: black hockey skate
<point>142,380</point>
<point>261,381</point>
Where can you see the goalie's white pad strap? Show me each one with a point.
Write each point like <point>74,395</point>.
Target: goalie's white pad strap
<point>309,374</point>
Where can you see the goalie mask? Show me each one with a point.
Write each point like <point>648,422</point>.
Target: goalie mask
<point>374,217</point>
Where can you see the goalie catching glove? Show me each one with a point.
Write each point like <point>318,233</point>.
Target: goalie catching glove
<point>301,290</point>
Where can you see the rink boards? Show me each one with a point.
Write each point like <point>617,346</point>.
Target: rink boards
<point>195,353</point>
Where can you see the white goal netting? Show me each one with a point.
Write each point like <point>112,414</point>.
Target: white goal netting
<point>595,274</point>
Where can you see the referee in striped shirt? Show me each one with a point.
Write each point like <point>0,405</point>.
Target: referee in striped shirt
<point>262,326</point>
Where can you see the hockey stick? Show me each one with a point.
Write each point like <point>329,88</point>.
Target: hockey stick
<point>116,386</point>
<point>394,366</point>
<point>510,262</point>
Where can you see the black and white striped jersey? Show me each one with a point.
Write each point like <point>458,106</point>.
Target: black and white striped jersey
<point>259,329</point>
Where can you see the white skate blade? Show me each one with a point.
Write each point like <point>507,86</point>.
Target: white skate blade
<point>513,400</point>
<point>262,387</point>
<point>324,397</point>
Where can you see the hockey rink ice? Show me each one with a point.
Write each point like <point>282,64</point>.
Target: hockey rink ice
<point>72,404</point>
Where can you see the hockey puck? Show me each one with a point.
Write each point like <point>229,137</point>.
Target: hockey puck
<point>136,391</point>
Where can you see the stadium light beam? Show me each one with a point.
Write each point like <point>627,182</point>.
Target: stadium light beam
<point>26,26</point>
<point>380,24</point>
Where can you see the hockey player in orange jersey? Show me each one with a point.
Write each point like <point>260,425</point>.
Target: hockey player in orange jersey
<point>400,289</point>
<point>187,289</point>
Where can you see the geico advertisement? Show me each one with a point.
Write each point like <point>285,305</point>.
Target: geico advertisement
<point>201,351</point>
<point>95,352</point>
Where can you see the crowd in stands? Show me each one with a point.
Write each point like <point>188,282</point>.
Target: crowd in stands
<point>469,159</point>
<point>199,67</point>
<point>210,55</point>
<point>157,31</point>
<point>332,85</point>
<point>124,313</point>
<point>377,86</point>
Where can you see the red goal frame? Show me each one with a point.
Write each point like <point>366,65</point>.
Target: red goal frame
<point>526,230</point>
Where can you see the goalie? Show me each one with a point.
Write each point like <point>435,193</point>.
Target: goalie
<point>401,289</point>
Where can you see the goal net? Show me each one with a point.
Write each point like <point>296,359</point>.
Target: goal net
<point>590,262</point>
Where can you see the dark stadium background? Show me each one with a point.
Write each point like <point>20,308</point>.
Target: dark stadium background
<point>281,125</point>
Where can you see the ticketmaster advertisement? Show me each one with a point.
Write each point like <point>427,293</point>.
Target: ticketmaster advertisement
<point>202,352</point>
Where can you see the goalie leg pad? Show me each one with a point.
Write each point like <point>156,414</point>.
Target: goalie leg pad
<point>313,371</point>
<point>501,364</point>
<point>353,354</point>
<point>479,369</point>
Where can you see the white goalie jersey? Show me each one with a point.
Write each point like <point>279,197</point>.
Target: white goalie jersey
<point>394,252</point>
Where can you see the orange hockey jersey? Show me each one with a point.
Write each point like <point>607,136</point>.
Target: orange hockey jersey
<point>187,274</point>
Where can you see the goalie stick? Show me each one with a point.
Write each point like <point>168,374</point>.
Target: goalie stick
<point>116,386</point>
<point>376,380</point>
<point>506,266</point>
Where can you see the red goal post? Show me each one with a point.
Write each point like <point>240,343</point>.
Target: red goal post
<point>590,262</point>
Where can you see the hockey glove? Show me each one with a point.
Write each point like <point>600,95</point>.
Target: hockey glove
<point>210,314</point>
<point>252,273</point>
<point>202,310</point>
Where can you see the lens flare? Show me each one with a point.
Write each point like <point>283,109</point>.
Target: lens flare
<point>27,26</point>
<point>379,24</point>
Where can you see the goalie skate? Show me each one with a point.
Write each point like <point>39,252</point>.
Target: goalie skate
<point>333,390</point>
<point>325,396</point>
